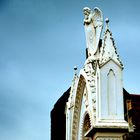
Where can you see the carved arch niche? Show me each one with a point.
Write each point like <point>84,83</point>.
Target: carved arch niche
<point>86,127</point>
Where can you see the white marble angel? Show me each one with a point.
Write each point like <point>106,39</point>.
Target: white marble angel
<point>93,23</point>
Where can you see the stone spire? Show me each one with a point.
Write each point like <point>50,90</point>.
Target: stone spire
<point>108,49</point>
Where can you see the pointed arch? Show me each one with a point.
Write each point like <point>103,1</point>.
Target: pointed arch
<point>86,125</point>
<point>77,107</point>
<point>111,93</point>
<point>84,82</point>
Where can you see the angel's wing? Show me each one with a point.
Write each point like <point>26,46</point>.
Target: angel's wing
<point>97,14</point>
<point>98,23</point>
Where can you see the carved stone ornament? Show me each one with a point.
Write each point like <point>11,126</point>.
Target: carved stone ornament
<point>109,50</point>
<point>85,97</point>
<point>76,114</point>
<point>93,23</point>
<point>90,69</point>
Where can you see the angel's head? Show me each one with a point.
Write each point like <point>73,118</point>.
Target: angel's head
<point>86,11</point>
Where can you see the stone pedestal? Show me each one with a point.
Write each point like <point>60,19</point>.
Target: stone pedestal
<point>108,136</point>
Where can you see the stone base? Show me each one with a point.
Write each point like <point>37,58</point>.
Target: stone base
<point>121,124</point>
<point>107,133</point>
<point>108,136</point>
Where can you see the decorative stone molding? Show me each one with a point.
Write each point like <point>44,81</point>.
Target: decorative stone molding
<point>85,98</point>
<point>90,85</point>
<point>77,107</point>
<point>71,98</point>
<point>108,50</point>
<point>89,69</point>
<point>70,106</point>
<point>108,136</point>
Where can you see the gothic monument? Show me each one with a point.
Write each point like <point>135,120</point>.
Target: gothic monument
<point>95,105</point>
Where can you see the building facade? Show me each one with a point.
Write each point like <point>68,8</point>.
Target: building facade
<point>97,106</point>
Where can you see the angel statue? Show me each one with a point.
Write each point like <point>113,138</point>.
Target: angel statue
<point>93,23</point>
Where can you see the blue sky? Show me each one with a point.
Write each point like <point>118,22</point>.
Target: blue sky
<point>40,43</point>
